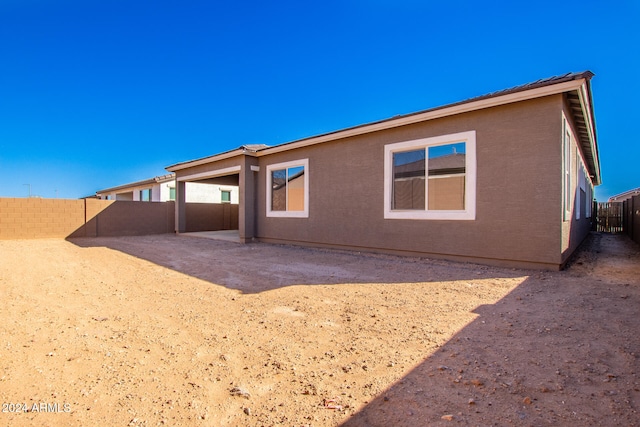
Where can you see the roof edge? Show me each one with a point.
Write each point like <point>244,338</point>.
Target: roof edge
<point>250,150</point>
<point>486,101</point>
<point>154,180</point>
<point>540,88</point>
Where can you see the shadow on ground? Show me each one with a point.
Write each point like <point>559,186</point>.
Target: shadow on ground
<point>259,267</point>
<point>558,351</point>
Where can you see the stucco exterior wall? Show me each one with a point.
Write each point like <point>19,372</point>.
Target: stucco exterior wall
<point>576,226</point>
<point>196,192</point>
<point>518,194</point>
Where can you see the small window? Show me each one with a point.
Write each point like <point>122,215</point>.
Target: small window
<point>431,178</point>
<point>145,195</point>
<point>225,196</point>
<point>172,193</point>
<point>288,189</point>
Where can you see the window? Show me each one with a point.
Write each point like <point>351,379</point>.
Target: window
<point>589,197</point>
<point>566,167</point>
<point>145,195</point>
<point>225,196</point>
<point>172,193</point>
<point>288,189</point>
<point>431,178</point>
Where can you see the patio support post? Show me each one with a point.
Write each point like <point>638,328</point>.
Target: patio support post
<point>181,218</point>
<point>248,192</point>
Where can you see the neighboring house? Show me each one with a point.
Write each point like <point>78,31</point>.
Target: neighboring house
<point>506,179</point>
<point>163,188</point>
<point>624,196</point>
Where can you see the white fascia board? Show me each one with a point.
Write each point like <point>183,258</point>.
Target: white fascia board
<point>210,174</point>
<point>430,115</point>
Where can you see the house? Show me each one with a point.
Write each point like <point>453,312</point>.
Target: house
<point>624,196</point>
<point>163,189</point>
<point>505,179</point>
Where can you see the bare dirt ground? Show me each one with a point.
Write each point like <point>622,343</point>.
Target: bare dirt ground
<point>172,330</point>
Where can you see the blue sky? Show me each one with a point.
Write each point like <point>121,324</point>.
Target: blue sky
<point>97,93</point>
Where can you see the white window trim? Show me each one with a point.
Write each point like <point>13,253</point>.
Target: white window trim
<point>289,214</point>
<point>469,213</point>
<point>589,197</point>
<point>567,181</point>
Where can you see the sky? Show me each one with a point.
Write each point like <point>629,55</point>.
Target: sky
<point>98,93</point>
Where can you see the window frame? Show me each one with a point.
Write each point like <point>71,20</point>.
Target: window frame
<point>287,213</point>
<point>143,193</point>
<point>567,181</point>
<point>468,213</point>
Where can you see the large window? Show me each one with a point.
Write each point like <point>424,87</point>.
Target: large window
<point>288,189</point>
<point>431,178</point>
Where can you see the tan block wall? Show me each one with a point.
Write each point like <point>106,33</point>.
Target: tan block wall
<point>60,218</point>
<point>211,216</point>
<point>40,218</point>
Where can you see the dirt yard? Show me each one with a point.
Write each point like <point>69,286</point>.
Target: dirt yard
<point>172,330</point>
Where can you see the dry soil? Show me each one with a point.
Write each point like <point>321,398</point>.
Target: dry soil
<point>172,330</point>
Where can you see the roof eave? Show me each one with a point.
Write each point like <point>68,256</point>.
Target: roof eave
<point>203,161</point>
<point>577,83</point>
<point>581,106</point>
<point>585,91</point>
<point>131,185</point>
<point>126,186</point>
<point>431,114</point>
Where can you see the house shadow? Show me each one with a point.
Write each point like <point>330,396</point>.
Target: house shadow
<point>560,349</point>
<point>259,267</point>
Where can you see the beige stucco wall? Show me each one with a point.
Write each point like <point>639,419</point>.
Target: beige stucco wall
<point>518,193</point>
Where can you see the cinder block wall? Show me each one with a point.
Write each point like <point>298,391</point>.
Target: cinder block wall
<point>123,218</point>
<point>60,218</point>
<point>40,218</point>
<point>211,216</point>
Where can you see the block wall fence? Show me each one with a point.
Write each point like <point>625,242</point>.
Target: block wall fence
<point>32,218</point>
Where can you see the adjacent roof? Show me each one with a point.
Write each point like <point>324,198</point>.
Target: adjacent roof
<point>155,180</point>
<point>576,85</point>
<point>625,196</point>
